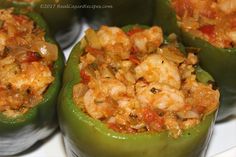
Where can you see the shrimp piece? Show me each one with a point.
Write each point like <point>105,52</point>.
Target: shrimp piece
<point>115,41</point>
<point>125,76</point>
<point>124,73</point>
<point>227,6</point>
<point>97,99</point>
<point>113,87</point>
<point>108,87</point>
<point>159,96</point>
<point>148,39</point>
<point>94,108</point>
<point>156,68</point>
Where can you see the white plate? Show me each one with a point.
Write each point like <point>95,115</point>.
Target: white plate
<point>222,144</point>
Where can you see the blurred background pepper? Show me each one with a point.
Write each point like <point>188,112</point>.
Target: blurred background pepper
<point>219,62</point>
<point>61,16</point>
<point>21,132</point>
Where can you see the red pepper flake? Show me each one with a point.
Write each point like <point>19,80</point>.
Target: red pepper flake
<point>209,30</point>
<point>134,30</point>
<point>93,51</point>
<point>32,57</point>
<point>134,59</point>
<point>152,119</point>
<point>85,77</point>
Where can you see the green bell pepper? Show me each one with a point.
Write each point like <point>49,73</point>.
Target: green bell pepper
<point>88,137</point>
<point>19,133</point>
<point>59,14</point>
<point>118,12</point>
<point>219,62</point>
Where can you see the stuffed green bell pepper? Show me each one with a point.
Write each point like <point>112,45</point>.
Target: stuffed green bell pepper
<point>211,27</point>
<point>130,93</point>
<point>118,12</point>
<point>61,16</point>
<point>31,66</point>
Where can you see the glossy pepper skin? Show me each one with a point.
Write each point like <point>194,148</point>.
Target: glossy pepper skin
<point>118,12</point>
<point>87,137</point>
<point>18,134</point>
<point>219,62</point>
<point>63,22</point>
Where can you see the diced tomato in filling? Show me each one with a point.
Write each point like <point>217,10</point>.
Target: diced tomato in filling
<point>2,88</point>
<point>33,57</point>
<point>85,77</point>
<point>233,25</point>
<point>134,50</point>
<point>20,18</point>
<point>209,30</point>
<point>133,31</point>
<point>233,22</point>
<point>227,42</point>
<point>114,127</point>
<point>200,109</point>
<point>181,7</point>
<point>50,66</point>
<point>152,119</point>
<point>93,51</point>
<point>134,59</point>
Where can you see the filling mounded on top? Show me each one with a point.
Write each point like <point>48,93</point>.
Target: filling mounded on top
<point>26,61</point>
<point>134,82</point>
<point>212,20</point>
